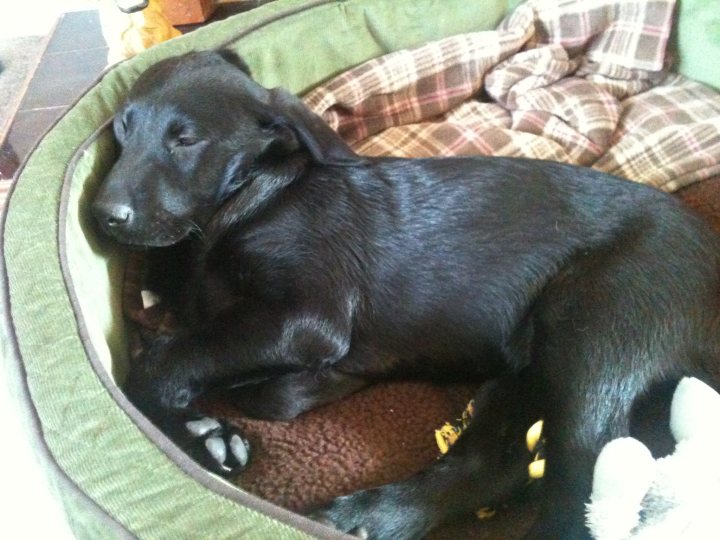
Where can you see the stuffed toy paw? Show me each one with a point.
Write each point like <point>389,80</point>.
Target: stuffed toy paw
<point>675,497</point>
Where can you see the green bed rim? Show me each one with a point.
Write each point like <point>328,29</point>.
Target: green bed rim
<point>107,460</point>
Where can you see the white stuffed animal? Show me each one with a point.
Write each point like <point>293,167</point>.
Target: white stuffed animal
<point>673,498</point>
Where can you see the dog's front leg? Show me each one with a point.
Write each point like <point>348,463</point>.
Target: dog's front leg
<point>176,370</point>
<point>486,466</point>
<point>289,395</point>
<point>163,389</point>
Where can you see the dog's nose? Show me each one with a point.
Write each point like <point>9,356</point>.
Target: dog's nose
<point>113,215</point>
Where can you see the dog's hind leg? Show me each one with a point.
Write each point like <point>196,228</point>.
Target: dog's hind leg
<point>608,330</point>
<point>584,409</point>
<point>575,429</point>
<point>487,465</point>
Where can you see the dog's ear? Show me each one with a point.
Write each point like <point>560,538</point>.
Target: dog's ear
<point>233,58</point>
<point>293,126</point>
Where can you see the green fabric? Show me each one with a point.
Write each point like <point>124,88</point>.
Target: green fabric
<point>84,524</point>
<point>697,40</point>
<point>91,257</point>
<point>92,440</point>
<point>318,44</point>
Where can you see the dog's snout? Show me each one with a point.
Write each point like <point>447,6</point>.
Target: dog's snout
<point>113,215</point>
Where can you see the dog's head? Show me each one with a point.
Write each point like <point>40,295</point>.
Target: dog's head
<point>194,131</point>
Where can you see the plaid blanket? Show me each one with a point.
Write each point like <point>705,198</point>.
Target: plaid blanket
<point>579,81</point>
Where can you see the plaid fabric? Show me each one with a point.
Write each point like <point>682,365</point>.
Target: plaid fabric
<point>579,81</point>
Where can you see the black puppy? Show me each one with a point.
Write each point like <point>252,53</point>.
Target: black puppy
<point>311,271</point>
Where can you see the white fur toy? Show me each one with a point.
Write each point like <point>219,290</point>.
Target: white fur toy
<point>676,497</point>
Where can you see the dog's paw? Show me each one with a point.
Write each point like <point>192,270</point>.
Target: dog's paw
<point>344,514</point>
<point>374,515</point>
<point>215,444</point>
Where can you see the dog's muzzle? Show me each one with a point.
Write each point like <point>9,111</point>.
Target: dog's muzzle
<point>113,217</point>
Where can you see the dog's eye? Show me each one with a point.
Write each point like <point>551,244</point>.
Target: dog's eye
<point>182,142</point>
<point>186,140</point>
<point>182,138</point>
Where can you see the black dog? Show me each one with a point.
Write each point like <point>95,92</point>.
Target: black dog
<point>311,271</point>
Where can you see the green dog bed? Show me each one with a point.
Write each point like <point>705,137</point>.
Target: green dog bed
<point>63,330</point>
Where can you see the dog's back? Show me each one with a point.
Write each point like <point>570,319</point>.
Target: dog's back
<point>442,259</point>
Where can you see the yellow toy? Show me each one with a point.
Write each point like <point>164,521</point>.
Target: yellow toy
<point>129,32</point>
<point>449,433</point>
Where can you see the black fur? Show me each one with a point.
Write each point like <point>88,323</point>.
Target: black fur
<point>310,272</point>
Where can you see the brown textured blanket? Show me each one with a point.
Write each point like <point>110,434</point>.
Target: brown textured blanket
<point>583,83</point>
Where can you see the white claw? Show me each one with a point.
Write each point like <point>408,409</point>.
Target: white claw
<point>149,298</point>
<point>216,447</point>
<point>239,449</point>
<point>202,426</point>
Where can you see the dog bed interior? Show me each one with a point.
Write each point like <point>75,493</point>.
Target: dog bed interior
<point>67,338</point>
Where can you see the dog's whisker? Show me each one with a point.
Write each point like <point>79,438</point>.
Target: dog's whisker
<point>196,230</point>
